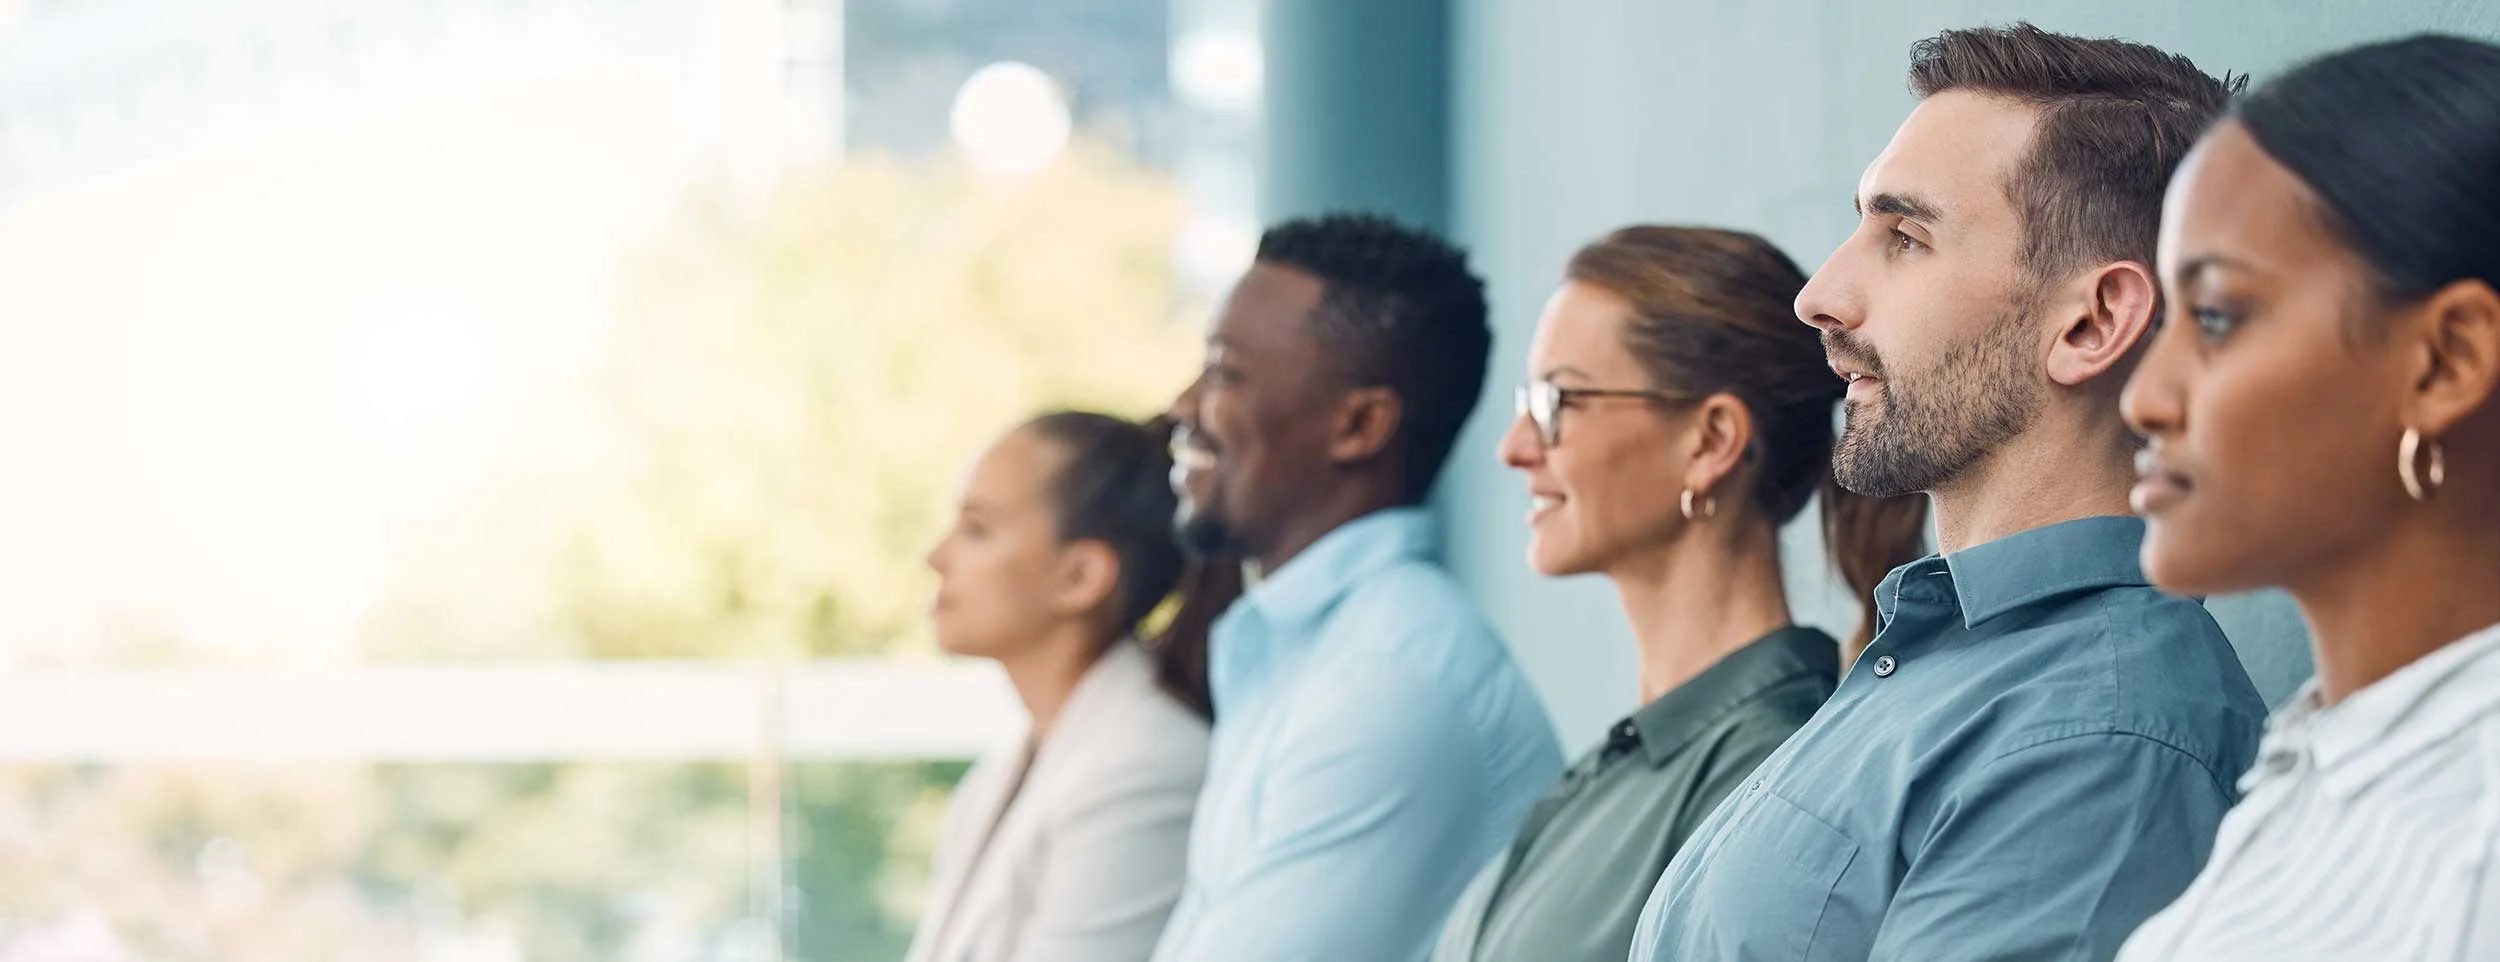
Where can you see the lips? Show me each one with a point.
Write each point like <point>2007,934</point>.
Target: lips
<point>2158,486</point>
<point>1849,360</point>
<point>1539,505</point>
<point>1192,454</point>
<point>1188,445</point>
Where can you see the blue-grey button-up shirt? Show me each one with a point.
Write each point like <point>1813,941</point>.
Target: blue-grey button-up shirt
<point>2030,760</point>
<point>1374,744</point>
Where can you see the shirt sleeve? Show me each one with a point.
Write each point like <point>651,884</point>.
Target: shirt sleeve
<point>1366,831</point>
<point>2056,851</point>
<point>1113,869</point>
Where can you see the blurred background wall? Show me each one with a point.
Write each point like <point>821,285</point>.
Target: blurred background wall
<point>1572,117</point>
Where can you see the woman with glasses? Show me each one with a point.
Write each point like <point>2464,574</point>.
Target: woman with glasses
<point>2323,411</point>
<point>1069,844</point>
<point>1676,417</point>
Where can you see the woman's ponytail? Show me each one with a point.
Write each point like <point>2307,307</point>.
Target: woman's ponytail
<point>1115,487</point>
<point>1867,538</point>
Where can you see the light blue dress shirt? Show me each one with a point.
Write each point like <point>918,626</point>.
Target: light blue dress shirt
<point>2031,759</point>
<point>1374,744</point>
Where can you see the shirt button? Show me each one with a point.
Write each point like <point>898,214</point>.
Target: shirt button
<point>1885,665</point>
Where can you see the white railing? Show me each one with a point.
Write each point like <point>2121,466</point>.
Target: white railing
<point>683,710</point>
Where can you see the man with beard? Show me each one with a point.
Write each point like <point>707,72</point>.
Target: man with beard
<point>1374,742</point>
<point>2034,753</point>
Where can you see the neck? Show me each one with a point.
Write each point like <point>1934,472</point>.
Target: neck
<point>2425,583</point>
<point>1045,674</point>
<point>1316,517</point>
<point>1701,597</point>
<point>2049,475</point>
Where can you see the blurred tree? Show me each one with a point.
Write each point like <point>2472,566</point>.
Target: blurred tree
<point>860,856</point>
<point>753,469</point>
<point>792,387</point>
<point>798,383</point>
<point>189,863</point>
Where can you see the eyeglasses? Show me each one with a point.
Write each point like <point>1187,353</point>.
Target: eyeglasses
<point>1543,402</point>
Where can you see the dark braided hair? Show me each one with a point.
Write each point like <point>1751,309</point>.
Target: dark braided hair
<point>1398,309</point>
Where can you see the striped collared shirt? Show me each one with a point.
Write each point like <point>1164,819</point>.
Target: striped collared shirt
<point>2371,829</point>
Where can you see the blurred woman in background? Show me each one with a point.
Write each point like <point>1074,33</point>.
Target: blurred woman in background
<point>1676,417</point>
<point>2323,411</point>
<point>1070,845</point>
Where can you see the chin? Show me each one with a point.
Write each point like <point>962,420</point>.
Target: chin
<point>2174,563</point>
<point>956,642</point>
<point>1202,536</point>
<point>1554,561</point>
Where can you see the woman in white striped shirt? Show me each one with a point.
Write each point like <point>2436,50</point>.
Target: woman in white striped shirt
<point>2323,411</point>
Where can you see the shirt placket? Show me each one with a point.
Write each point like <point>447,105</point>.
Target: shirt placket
<point>1922,607</point>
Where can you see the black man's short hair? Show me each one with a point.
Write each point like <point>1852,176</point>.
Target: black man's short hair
<point>1398,309</point>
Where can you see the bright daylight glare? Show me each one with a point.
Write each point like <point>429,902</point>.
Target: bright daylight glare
<point>470,460</point>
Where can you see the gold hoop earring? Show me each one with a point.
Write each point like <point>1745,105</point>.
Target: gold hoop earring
<point>2409,451</point>
<point>1709,506</point>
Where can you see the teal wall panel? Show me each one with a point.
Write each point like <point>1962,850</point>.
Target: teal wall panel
<point>1572,117</point>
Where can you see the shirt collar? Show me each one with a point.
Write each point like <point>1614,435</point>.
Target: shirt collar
<point>2372,730</point>
<point>1672,720</point>
<point>1309,584</point>
<point>2033,566</point>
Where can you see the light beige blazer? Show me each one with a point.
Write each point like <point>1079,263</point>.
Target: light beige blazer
<point>1082,859</point>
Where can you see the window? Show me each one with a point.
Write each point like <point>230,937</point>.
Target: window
<point>475,455</point>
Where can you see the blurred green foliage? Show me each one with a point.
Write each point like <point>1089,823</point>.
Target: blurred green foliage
<point>752,470</point>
